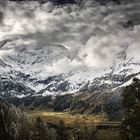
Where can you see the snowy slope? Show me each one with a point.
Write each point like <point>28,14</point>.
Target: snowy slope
<point>51,49</point>
<point>29,65</point>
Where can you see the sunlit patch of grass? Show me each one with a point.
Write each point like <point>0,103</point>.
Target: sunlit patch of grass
<point>66,117</point>
<point>88,122</point>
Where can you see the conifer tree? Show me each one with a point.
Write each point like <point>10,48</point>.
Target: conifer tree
<point>131,104</point>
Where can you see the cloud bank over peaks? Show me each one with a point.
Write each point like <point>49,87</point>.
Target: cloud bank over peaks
<point>93,35</point>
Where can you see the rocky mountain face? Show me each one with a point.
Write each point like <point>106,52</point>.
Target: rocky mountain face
<point>23,72</point>
<point>29,63</point>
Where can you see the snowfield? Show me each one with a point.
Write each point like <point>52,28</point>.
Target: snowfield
<point>65,49</point>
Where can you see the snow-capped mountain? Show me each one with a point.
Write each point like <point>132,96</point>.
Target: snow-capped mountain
<point>51,49</point>
<point>27,66</point>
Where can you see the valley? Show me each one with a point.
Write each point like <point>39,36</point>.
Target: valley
<point>97,125</point>
<point>69,69</point>
<point>68,118</point>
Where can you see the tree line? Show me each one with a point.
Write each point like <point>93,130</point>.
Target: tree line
<point>16,125</point>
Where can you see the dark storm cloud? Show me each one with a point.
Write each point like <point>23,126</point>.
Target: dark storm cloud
<point>94,34</point>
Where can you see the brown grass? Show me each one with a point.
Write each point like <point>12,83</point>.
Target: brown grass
<point>66,117</point>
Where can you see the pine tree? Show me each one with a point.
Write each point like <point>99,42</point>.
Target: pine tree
<point>41,130</point>
<point>131,104</point>
<point>62,131</point>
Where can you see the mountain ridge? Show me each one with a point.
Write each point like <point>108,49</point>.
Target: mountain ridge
<point>53,50</point>
<point>117,75</point>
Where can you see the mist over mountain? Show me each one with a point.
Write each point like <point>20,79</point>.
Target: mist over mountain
<point>59,47</point>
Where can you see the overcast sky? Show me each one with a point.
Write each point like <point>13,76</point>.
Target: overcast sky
<point>94,34</point>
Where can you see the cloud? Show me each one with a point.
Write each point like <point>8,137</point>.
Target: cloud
<point>100,52</point>
<point>94,34</point>
<point>62,66</point>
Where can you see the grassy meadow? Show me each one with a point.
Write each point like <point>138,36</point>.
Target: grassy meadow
<point>68,119</point>
<point>98,123</point>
